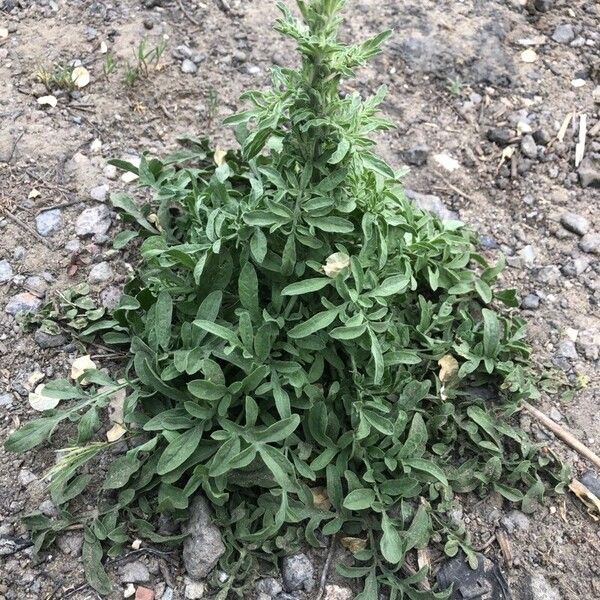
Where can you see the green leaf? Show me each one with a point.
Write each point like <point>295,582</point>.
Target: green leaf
<point>330,224</point>
<point>206,390</point>
<point>248,289</point>
<point>305,286</point>
<point>278,431</point>
<point>417,535</point>
<point>426,466</point>
<point>164,315</point>
<point>179,450</point>
<point>314,324</point>
<point>128,206</point>
<point>340,152</point>
<point>120,471</point>
<point>491,333</point>
<point>390,543</point>
<point>396,284</point>
<point>360,499</point>
<point>222,332</point>
<point>484,290</point>
<point>123,238</point>
<point>91,557</point>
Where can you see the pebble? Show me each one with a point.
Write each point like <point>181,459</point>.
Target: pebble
<point>93,221</point>
<point>36,285</point>
<point>541,137</point>
<point>575,223</point>
<point>591,482</point>
<point>253,70</point>
<point>99,193</point>
<point>297,573</point>
<point>188,66</point>
<point>500,135</point>
<point>550,274</point>
<point>194,590</point>
<point>24,302</point>
<point>144,593</point>
<point>182,52</point>
<point>47,340</point>
<point>416,156</point>
<point>26,477</point>
<point>515,520</point>
<point>337,592</point>
<point>530,302</point>
<point>6,399</point>
<point>6,272</point>
<point>110,172</point>
<point>590,243</point>
<point>527,254</point>
<point>540,588</point>
<point>73,245</point>
<point>134,572</point>
<point>269,586</point>
<point>589,173</point>
<point>203,545</point>
<point>47,508</point>
<point>555,415</point>
<point>101,273</point>
<point>566,349</point>
<point>19,253</point>
<point>543,5</point>
<point>70,543</point>
<point>528,146</point>
<point>49,222</point>
<point>563,34</point>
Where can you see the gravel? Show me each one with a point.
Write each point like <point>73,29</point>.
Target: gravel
<point>188,66</point>
<point>500,135</point>
<point>6,272</point>
<point>575,223</point>
<point>528,146</point>
<point>101,273</point>
<point>93,221</point>
<point>416,156</point>
<point>540,588</point>
<point>99,193</point>
<point>589,173</point>
<point>564,34</point>
<point>530,302</point>
<point>49,222</point>
<point>134,572</point>
<point>298,573</point>
<point>590,243</point>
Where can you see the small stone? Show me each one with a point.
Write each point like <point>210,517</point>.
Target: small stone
<point>564,34</point>
<point>19,253</point>
<point>500,135</point>
<point>528,146</point>
<point>203,546</point>
<point>134,572</point>
<point>596,94</point>
<point>167,594</point>
<point>6,400</point>
<point>36,285</point>
<point>239,56</point>
<point>416,156</point>
<point>188,66</point>
<point>550,274</point>
<point>528,255</point>
<point>337,592</point>
<point>540,588</point>
<point>515,520</point>
<point>6,272</point>
<point>488,242</point>
<point>269,586</point>
<point>555,415</point>
<point>589,173</point>
<point>70,543</point>
<point>26,477</point>
<point>99,193</point>
<point>129,591</point>
<point>575,223</point>
<point>432,204</point>
<point>591,482</point>
<point>110,297</point>
<point>253,70</point>
<point>182,52</point>
<point>47,508</point>
<point>73,245</point>
<point>93,221</point>
<point>100,273</point>
<point>590,243</point>
<point>110,172</point>
<point>541,137</point>
<point>49,222</point>
<point>194,590</point>
<point>297,573</point>
<point>23,303</point>
<point>543,5</point>
<point>144,593</point>
<point>530,302</point>
<point>566,349</point>
<point>47,340</point>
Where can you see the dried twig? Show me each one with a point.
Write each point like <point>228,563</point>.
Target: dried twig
<point>454,188</point>
<point>26,227</point>
<point>505,546</point>
<point>487,544</point>
<point>326,566</point>
<point>580,147</point>
<point>562,433</point>
<point>61,205</point>
<point>186,14</point>
<point>14,148</point>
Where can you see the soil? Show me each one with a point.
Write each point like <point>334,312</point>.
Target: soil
<point>455,69</point>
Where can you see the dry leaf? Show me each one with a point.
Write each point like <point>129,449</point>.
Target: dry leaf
<point>33,380</point>
<point>80,77</point>
<point>79,365</point>
<point>116,432</point>
<point>448,367</point>
<point>115,405</point>
<point>586,496</point>
<point>446,162</point>
<point>38,401</point>
<point>47,101</point>
<point>219,156</point>
<point>353,544</point>
<point>335,263</point>
<point>320,498</point>
<point>529,56</point>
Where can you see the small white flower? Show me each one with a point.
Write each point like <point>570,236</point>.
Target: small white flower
<point>335,263</point>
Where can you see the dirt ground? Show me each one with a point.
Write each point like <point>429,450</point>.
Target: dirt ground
<point>455,70</point>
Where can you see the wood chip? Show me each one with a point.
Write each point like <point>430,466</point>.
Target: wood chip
<point>580,148</point>
<point>504,543</point>
<point>587,497</point>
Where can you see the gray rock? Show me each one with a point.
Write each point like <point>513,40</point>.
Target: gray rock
<point>488,242</point>
<point>47,508</point>
<point>555,415</point>
<point>566,349</point>
<point>500,135</point>
<point>432,204</point>
<point>589,173</point>
<point>550,274</point>
<point>588,343</point>
<point>93,221</point>
<point>543,5</point>
<point>70,543</point>
<point>168,594</point>
<point>182,52</point>
<point>563,34</point>
<point>188,66</point>
<point>6,400</point>
<point>49,222</point>
<point>528,146</point>
<point>253,70</point>
<point>416,156</point>
<point>19,253</point>
<point>575,223</point>
<point>530,302</point>
<point>337,592</point>
<point>110,296</point>
<point>540,588</point>
<point>26,477</point>
<point>73,245</point>
<point>541,137</point>
<point>23,303</point>
<point>269,586</point>
<point>297,573</point>
<point>100,273</point>
<point>99,193</point>
<point>6,272</point>
<point>590,243</point>
<point>527,255</point>
<point>134,572</point>
<point>515,520</point>
<point>203,546</point>
<point>36,285</point>
<point>194,590</point>
<point>576,267</point>
<point>47,340</point>
<point>591,482</point>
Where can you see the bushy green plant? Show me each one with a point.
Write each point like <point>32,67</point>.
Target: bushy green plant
<point>309,350</point>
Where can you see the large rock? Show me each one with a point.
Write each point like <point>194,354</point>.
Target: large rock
<point>23,303</point>
<point>203,547</point>
<point>432,204</point>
